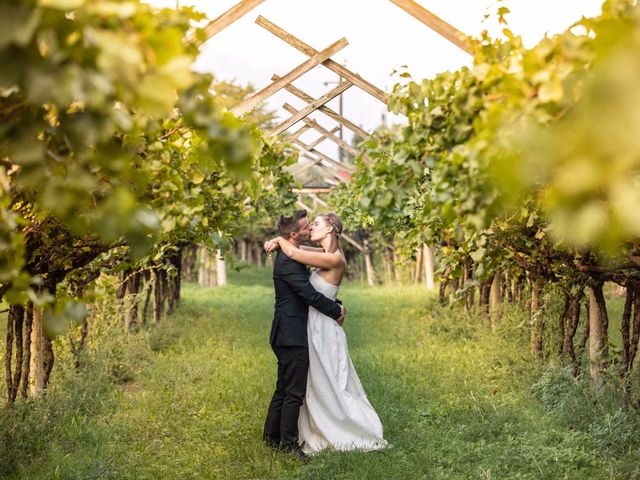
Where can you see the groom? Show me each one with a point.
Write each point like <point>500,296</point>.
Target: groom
<point>288,337</point>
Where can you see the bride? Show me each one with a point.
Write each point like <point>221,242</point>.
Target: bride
<point>336,412</point>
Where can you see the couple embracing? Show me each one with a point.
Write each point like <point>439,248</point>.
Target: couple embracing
<point>319,401</point>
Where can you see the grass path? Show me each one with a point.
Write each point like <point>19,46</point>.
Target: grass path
<point>455,402</point>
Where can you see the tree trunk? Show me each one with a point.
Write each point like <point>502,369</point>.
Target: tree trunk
<point>49,359</point>
<point>511,287</point>
<point>188,262</point>
<point>392,259</point>
<point>8,356</point>
<point>428,268</point>
<point>201,266</point>
<point>177,281</point>
<point>595,336</point>
<point>249,252</point>
<point>625,328</point>
<point>258,254</point>
<point>485,294</point>
<point>37,370</point>
<point>494,302</point>
<point>18,327</point>
<point>602,306</point>
<point>563,322</point>
<point>148,287</point>
<point>77,351</point>
<point>170,293</point>
<point>158,296</point>
<point>537,320</point>
<point>131,309</point>
<point>571,328</point>
<point>585,332</point>
<point>26,363</point>
<point>15,320</point>
<point>371,277</point>
<point>442,291</point>
<point>387,269</point>
<point>468,277</point>
<point>635,338</point>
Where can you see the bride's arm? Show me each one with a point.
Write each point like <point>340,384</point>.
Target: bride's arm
<point>311,249</point>
<point>313,259</point>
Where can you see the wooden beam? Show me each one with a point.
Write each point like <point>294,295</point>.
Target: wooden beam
<point>227,18</point>
<point>307,166</point>
<point>304,129</point>
<point>317,141</point>
<point>316,126</point>
<point>326,110</point>
<point>297,133</point>
<point>435,23</point>
<point>318,199</point>
<point>329,160</point>
<point>330,64</point>
<point>309,108</point>
<point>352,241</point>
<point>248,104</point>
<point>332,173</point>
<point>326,158</point>
<point>311,190</point>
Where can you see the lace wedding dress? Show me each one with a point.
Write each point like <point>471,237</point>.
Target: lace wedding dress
<point>336,412</point>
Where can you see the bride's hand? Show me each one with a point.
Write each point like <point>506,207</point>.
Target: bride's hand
<point>271,245</point>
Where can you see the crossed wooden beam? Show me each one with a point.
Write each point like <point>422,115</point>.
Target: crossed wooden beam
<point>348,79</point>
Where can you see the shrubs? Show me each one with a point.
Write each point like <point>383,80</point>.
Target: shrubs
<point>600,413</point>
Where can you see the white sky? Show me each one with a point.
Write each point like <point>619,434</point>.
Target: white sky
<point>382,38</point>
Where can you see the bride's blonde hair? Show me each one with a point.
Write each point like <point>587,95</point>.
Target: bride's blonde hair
<point>336,222</point>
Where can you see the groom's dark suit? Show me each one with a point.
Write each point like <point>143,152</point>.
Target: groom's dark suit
<point>288,340</point>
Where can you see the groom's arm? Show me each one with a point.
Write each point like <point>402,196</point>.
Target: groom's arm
<point>296,277</point>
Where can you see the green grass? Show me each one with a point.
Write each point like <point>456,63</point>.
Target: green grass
<point>456,402</point>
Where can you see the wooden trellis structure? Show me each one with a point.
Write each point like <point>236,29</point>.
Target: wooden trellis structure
<point>336,171</point>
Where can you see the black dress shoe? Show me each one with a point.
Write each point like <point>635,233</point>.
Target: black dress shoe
<point>272,444</point>
<point>299,454</point>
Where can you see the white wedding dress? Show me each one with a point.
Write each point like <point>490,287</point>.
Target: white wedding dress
<point>336,412</point>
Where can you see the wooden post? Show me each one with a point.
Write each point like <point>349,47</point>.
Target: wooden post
<point>434,22</point>
<point>417,275</point>
<point>243,249</point>
<point>221,269</point>
<point>428,268</point>
<point>251,102</point>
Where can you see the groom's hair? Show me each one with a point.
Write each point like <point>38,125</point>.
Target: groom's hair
<point>288,225</point>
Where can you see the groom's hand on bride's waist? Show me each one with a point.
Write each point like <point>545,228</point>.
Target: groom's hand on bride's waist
<point>343,313</point>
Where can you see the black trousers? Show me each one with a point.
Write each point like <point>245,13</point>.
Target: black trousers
<point>281,425</point>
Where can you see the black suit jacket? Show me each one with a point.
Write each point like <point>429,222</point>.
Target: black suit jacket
<point>294,294</point>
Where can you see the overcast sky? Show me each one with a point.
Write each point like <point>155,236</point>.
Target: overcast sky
<point>382,38</point>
